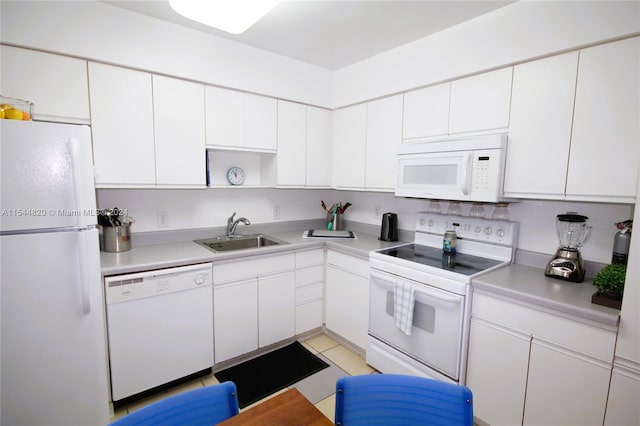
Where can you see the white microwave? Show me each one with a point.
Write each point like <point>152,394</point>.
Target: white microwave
<point>469,169</point>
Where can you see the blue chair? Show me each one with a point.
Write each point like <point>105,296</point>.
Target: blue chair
<point>392,399</point>
<point>205,406</point>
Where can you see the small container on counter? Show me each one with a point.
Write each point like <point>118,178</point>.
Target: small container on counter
<point>15,109</point>
<point>449,242</point>
<point>454,208</point>
<point>501,212</point>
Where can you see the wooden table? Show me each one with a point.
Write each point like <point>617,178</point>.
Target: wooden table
<point>290,408</point>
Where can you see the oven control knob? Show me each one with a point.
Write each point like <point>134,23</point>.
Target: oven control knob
<point>477,229</point>
<point>500,232</point>
<point>422,221</point>
<point>488,230</point>
<point>430,224</point>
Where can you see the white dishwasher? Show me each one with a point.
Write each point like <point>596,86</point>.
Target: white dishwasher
<point>160,327</point>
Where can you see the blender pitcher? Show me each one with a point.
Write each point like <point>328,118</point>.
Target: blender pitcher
<point>573,231</point>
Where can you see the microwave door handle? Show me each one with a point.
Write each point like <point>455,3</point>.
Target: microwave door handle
<point>465,184</point>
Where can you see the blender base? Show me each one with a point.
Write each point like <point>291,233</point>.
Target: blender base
<point>567,265</point>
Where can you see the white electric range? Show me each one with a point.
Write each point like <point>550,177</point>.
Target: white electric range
<point>434,344</point>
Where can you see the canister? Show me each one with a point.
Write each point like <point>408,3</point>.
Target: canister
<point>449,242</point>
<point>115,239</point>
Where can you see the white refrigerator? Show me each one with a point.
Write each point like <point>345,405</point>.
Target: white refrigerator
<point>53,364</point>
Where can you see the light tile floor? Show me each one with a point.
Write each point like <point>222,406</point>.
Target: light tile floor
<point>322,345</point>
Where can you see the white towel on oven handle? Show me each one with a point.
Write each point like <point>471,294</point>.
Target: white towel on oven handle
<point>403,303</point>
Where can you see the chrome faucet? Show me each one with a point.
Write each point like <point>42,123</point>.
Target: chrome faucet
<point>232,225</point>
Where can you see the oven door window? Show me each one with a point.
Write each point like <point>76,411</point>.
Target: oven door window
<point>436,332</point>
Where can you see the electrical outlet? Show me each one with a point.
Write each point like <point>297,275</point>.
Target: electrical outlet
<point>377,211</point>
<point>162,219</point>
<point>276,212</point>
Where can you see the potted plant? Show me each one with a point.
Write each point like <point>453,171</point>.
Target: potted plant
<point>610,283</point>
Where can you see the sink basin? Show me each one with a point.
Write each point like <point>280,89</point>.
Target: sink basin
<point>239,242</point>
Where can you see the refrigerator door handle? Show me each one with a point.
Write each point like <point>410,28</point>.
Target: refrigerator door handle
<point>85,280</point>
<point>78,184</point>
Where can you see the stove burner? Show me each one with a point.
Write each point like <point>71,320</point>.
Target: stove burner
<point>461,263</point>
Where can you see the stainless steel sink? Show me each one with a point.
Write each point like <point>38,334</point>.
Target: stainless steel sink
<point>239,242</point>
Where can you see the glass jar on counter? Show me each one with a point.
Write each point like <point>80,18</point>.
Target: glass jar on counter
<point>434,207</point>
<point>454,208</point>
<point>501,212</point>
<point>477,210</point>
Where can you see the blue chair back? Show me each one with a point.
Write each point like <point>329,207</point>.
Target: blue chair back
<point>205,406</point>
<point>392,399</point>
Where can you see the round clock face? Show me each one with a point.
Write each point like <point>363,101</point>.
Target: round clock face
<point>235,176</point>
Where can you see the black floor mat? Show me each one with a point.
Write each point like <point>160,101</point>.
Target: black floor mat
<point>268,373</point>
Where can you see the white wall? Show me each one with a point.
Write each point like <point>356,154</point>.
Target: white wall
<point>189,209</point>
<point>102,32</point>
<point>515,33</point>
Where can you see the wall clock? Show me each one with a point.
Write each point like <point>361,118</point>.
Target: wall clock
<point>235,176</point>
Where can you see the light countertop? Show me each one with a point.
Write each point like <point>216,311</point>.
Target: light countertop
<point>523,283</point>
<point>170,254</point>
<point>528,284</point>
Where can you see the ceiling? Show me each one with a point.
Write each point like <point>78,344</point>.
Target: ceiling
<point>335,33</point>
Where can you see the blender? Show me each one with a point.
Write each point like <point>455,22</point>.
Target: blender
<point>573,233</point>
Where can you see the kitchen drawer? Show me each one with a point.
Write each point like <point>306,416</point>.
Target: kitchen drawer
<point>308,276</point>
<point>308,258</point>
<point>255,266</point>
<point>349,263</point>
<point>309,316</point>
<point>596,342</point>
<point>308,293</point>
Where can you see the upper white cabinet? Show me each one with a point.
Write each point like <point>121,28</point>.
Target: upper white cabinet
<point>481,102</point>
<point>292,143</point>
<point>147,130</point>
<point>179,134</point>
<point>474,104</point>
<point>365,142</point>
<point>384,136</point>
<point>349,145</point>
<point>57,85</point>
<point>426,112</point>
<point>122,126</point>
<point>304,146</point>
<point>319,147</point>
<point>238,120</point>
<point>576,116</point>
<point>540,127</point>
<point>605,146</point>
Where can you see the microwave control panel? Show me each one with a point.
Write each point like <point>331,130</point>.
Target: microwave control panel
<point>486,171</point>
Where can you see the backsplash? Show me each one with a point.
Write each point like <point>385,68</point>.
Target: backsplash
<point>189,209</point>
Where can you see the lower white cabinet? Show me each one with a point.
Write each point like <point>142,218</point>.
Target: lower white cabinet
<point>498,378</point>
<point>347,297</point>
<point>235,319</point>
<point>532,367</point>
<point>309,290</point>
<point>565,387</point>
<point>253,303</point>
<point>623,407</point>
<point>276,308</point>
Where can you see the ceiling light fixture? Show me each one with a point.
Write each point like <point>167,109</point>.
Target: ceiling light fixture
<point>232,16</point>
